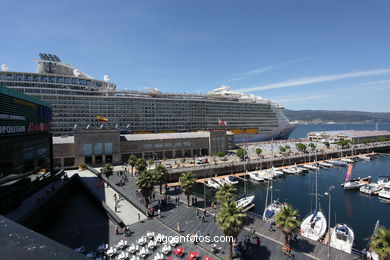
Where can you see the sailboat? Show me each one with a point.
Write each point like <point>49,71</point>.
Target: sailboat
<point>274,206</point>
<point>314,225</point>
<point>244,201</point>
<point>351,184</point>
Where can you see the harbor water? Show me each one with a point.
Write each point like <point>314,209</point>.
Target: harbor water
<point>357,210</point>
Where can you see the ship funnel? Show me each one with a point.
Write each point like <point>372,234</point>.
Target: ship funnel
<point>106,78</point>
<point>4,67</point>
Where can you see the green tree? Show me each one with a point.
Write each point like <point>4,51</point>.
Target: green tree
<point>132,161</point>
<point>343,143</point>
<point>312,146</point>
<point>231,220</point>
<point>282,149</point>
<point>287,147</point>
<point>226,192</point>
<point>160,174</point>
<point>141,165</point>
<point>380,243</point>
<point>221,154</point>
<point>107,170</point>
<point>187,183</point>
<point>258,151</point>
<point>183,160</point>
<point>145,182</point>
<point>301,147</point>
<point>240,153</point>
<point>327,144</point>
<point>287,221</point>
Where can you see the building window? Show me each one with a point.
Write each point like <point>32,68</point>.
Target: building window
<point>87,149</point>
<point>99,148</point>
<point>108,148</point>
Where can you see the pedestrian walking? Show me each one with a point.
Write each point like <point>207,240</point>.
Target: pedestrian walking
<point>192,201</point>
<point>178,227</point>
<point>139,217</point>
<point>197,213</point>
<point>258,242</point>
<point>159,213</point>
<point>202,218</point>
<point>154,196</point>
<point>115,198</point>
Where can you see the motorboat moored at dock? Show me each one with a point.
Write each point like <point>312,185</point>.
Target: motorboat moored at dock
<point>233,180</point>
<point>256,176</point>
<point>385,192</point>
<point>342,238</point>
<point>325,164</point>
<point>382,180</point>
<point>212,184</point>
<point>311,167</point>
<point>245,201</point>
<point>314,226</point>
<point>371,189</point>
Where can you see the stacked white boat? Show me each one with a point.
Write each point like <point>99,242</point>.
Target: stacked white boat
<point>385,192</point>
<point>213,183</point>
<point>371,189</point>
<point>245,201</point>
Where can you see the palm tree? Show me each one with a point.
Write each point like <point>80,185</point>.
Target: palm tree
<point>226,192</point>
<point>141,165</point>
<point>287,221</point>
<point>107,170</point>
<point>132,161</point>
<point>230,220</point>
<point>160,175</point>
<point>187,183</point>
<point>145,184</point>
<point>380,243</point>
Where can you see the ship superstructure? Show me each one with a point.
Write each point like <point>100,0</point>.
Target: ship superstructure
<point>77,98</point>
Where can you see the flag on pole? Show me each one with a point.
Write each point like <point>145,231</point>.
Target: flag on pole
<point>348,177</point>
<point>222,122</point>
<point>101,118</point>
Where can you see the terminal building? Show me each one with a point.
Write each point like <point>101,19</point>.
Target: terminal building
<point>99,146</point>
<point>355,136</point>
<point>25,144</point>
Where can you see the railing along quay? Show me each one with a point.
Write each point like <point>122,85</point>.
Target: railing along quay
<point>232,167</point>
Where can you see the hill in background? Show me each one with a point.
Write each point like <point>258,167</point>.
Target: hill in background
<point>336,116</point>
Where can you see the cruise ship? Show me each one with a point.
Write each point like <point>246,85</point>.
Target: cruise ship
<point>78,99</point>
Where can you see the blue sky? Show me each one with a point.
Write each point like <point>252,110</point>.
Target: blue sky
<point>303,54</point>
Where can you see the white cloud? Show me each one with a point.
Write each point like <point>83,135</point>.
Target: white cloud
<point>318,79</point>
<point>375,82</point>
<point>254,72</point>
<point>300,99</point>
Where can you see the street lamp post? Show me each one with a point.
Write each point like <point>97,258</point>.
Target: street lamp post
<point>204,186</point>
<point>328,193</point>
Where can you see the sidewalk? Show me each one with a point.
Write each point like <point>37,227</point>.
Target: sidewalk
<point>126,211</point>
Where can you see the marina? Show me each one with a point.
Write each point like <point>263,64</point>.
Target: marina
<point>346,205</point>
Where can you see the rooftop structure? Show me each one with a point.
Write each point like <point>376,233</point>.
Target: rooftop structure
<point>356,136</point>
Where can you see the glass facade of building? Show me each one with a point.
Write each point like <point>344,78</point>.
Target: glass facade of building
<point>25,139</point>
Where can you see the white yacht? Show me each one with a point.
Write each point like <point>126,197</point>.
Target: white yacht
<point>266,175</point>
<point>311,167</point>
<point>256,176</point>
<point>364,157</point>
<point>245,201</point>
<point>233,180</point>
<point>325,164</point>
<point>371,189</point>
<point>220,181</point>
<point>342,238</point>
<point>385,192</point>
<point>276,172</point>
<point>353,184</point>
<point>347,160</point>
<point>314,226</point>
<point>382,180</point>
<point>213,184</point>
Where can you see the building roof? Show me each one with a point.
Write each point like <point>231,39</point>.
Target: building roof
<point>162,136</point>
<point>19,95</point>
<point>352,133</point>
<point>63,139</point>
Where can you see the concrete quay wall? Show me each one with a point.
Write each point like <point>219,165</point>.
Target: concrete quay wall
<point>209,170</point>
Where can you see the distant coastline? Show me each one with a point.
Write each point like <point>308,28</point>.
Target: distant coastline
<point>336,117</point>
